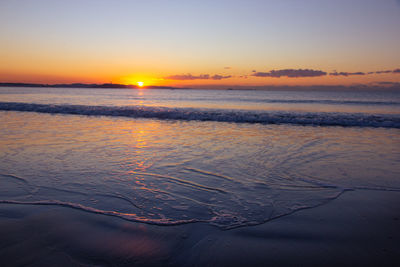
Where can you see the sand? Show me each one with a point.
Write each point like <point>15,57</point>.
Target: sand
<point>359,228</point>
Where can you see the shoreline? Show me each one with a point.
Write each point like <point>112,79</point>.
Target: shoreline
<point>394,87</point>
<point>358,228</point>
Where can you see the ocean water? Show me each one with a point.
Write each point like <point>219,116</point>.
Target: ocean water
<point>225,157</point>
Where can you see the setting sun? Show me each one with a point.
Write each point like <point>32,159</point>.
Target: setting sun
<point>140,84</point>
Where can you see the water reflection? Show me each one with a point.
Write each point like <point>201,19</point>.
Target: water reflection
<point>172,172</point>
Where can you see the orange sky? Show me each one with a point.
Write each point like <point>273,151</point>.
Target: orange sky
<point>47,41</point>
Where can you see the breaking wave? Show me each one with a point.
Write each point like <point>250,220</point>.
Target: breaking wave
<point>302,101</point>
<point>218,115</point>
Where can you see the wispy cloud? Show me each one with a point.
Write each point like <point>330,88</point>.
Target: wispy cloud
<point>388,83</point>
<point>291,73</point>
<point>346,73</point>
<point>220,77</point>
<point>335,73</point>
<point>227,68</point>
<point>383,71</point>
<point>186,77</point>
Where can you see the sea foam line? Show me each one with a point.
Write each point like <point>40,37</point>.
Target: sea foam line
<point>218,115</point>
<point>125,216</point>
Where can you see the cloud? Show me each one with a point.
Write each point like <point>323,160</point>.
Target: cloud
<point>335,73</point>
<point>228,68</point>
<point>346,73</point>
<point>388,83</point>
<point>383,71</point>
<point>291,73</point>
<point>186,77</point>
<point>220,77</point>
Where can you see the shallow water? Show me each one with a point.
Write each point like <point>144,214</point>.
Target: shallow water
<point>179,171</point>
<point>368,102</point>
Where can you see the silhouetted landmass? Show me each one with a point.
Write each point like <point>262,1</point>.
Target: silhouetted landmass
<point>387,86</point>
<point>84,85</point>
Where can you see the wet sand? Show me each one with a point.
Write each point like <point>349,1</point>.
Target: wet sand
<point>357,229</point>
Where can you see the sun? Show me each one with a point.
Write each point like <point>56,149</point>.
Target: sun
<point>140,84</point>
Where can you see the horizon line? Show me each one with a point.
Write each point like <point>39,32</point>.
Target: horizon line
<point>378,85</point>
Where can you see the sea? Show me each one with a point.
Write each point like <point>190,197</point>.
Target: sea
<point>228,158</point>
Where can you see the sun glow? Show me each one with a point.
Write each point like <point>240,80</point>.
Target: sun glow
<point>140,84</point>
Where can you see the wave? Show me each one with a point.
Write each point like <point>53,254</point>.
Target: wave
<point>329,102</point>
<point>125,216</point>
<point>240,212</point>
<point>302,101</point>
<point>218,115</point>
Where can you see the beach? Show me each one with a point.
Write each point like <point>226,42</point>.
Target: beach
<point>165,178</point>
<point>199,133</point>
<point>360,228</point>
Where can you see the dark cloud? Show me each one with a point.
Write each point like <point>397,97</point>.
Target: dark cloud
<point>220,77</point>
<point>383,71</point>
<point>335,73</point>
<point>387,71</point>
<point>388,83</point>
<point>189,76</point>
<point>228,68</point>
<point>291,73</point>
<point>346,73</point>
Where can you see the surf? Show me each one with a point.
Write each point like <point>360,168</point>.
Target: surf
<point>217,115</point>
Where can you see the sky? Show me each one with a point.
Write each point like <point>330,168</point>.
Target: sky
<point>201,43</point>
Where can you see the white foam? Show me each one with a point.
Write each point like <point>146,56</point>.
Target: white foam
<point>218,115</point>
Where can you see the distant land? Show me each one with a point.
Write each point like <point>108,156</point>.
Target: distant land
<point>386,86</point>
<point>84,85</point>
